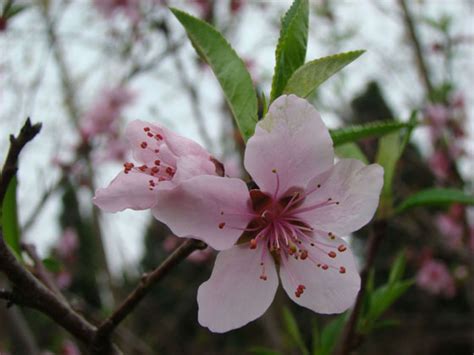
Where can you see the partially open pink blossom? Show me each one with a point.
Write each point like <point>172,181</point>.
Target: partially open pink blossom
<point>70,348</point>
<point>434,277</point>
<point>104,113</point>
<point>291,225</point>
<point>437,114</point>
<point>164,160</point>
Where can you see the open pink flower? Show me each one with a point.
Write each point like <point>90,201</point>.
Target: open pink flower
<point>292,223</point>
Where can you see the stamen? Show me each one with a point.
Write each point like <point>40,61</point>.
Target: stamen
<point>274,171</point>
<point>342,270</point>
<point>221,225</point>
<point>341,248</point>
<point>143,145</point>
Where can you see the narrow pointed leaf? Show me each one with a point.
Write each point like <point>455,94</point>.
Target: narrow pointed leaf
<point>227,66</point>
<point>373,129</point>
<point>311,75</point>
<point>435,197</point>
<point>291,49</point>
<point>294,331</point>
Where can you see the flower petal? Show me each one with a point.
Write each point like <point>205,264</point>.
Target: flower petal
<point>353,189</point>
<point>326,289</point>
<point>291,140</point>
<point>235,294</point>
<point>146,139</point>
<point>190,166</point>
<point>131,190</point>
<point>210,208</point>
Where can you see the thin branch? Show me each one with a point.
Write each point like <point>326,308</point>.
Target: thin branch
<point>346,344</point>
<point>147,281</point>
<point>420,60</point>
<point>40,271</point>
<point>10,167</point>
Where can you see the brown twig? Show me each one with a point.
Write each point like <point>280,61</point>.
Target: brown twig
<point>10,167</point>
<point>420,60</point>
<point>346,344</point>
<point>146,283</point>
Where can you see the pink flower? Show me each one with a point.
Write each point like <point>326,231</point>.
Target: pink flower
<point>437,114</point>
<point>435,278</point>
<point>68,243</point>
<point>165,160</point>
<point>104,113</point>
<point>291,224</point>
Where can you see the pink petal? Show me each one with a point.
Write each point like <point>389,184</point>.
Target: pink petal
<point>293,140</point>
<point>196,205</point>
<point>326,290</point>
<point>354,190</point>
<point>235,294</point>
<point>129,190</point>
<point>145,142</point>
<point>191,166</point>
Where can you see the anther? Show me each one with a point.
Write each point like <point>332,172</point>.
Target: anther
<point>332,254</point>
<point>146,129</point>
<point>169,171</point>
<point>221,225</point>
<point>155,170</point>
<point>157,151</point>
<point>341,248</point>
<point>304,254</point>
<point>149,134</point>
<point>253,244</point>
<point>143,168</point>
<point>319,185</point>
<point>342,270</point>
<point>274,171</point>
<point>158,136</point>
<point>143,145</point>
<point>157,162</point>
<point>324,267</point>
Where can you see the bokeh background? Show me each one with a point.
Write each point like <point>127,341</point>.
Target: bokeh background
<point>86,68</point>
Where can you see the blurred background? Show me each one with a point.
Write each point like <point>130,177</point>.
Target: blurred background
<point>86,68</point>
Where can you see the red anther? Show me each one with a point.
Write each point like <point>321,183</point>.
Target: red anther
<point>304,254</point>
<point>127,167</point>
<point>155,170</point>
<point>169,171</point>
<point>319,265</point>
<point>157,162</point>
<point>332,254</point>
<point>342,270</point>
<point>149,134</point>
<point>143,168</point>
<point>341,248</point>
<point>157,151</point>
<point>329,199</point>
<point>161,178</point>
<point>146,129</point>
<point>221,225</point>
<point>263,277</point>
<point>319,185</point>
<point>158,136</point>
<point>143,145</point>
<point>324,267</point>
<point>253,244</point>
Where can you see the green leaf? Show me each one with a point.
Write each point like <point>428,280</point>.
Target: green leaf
<point>330,334</point>
<point>388,154</point>
<point>373,129</point>
<point>435,197</point>
<point>294,331</point>
<point>9,219</point>
<point>311,75</point>
<point>229,69</point>
<point>52,264</point>
<point>397,269</point>
<point>259,350</point>
<point>350,151</point>
<point>291,49</point>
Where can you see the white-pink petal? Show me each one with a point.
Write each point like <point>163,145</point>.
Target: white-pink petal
<point>352,190</point>
<point>210,208</point>
<point>235,294</point>
<point>291,140</point>
<point>131,190</point>
<point>326,291</point>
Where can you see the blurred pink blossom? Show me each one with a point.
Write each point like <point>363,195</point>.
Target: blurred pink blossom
<point>130,8</point>
<point>440,164</point>
<point>63,279</point>
<point>69,348</point>
<point>451,229</point>
<point>434,277</point>
<point>103,115</point>
<point>68,243</point>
